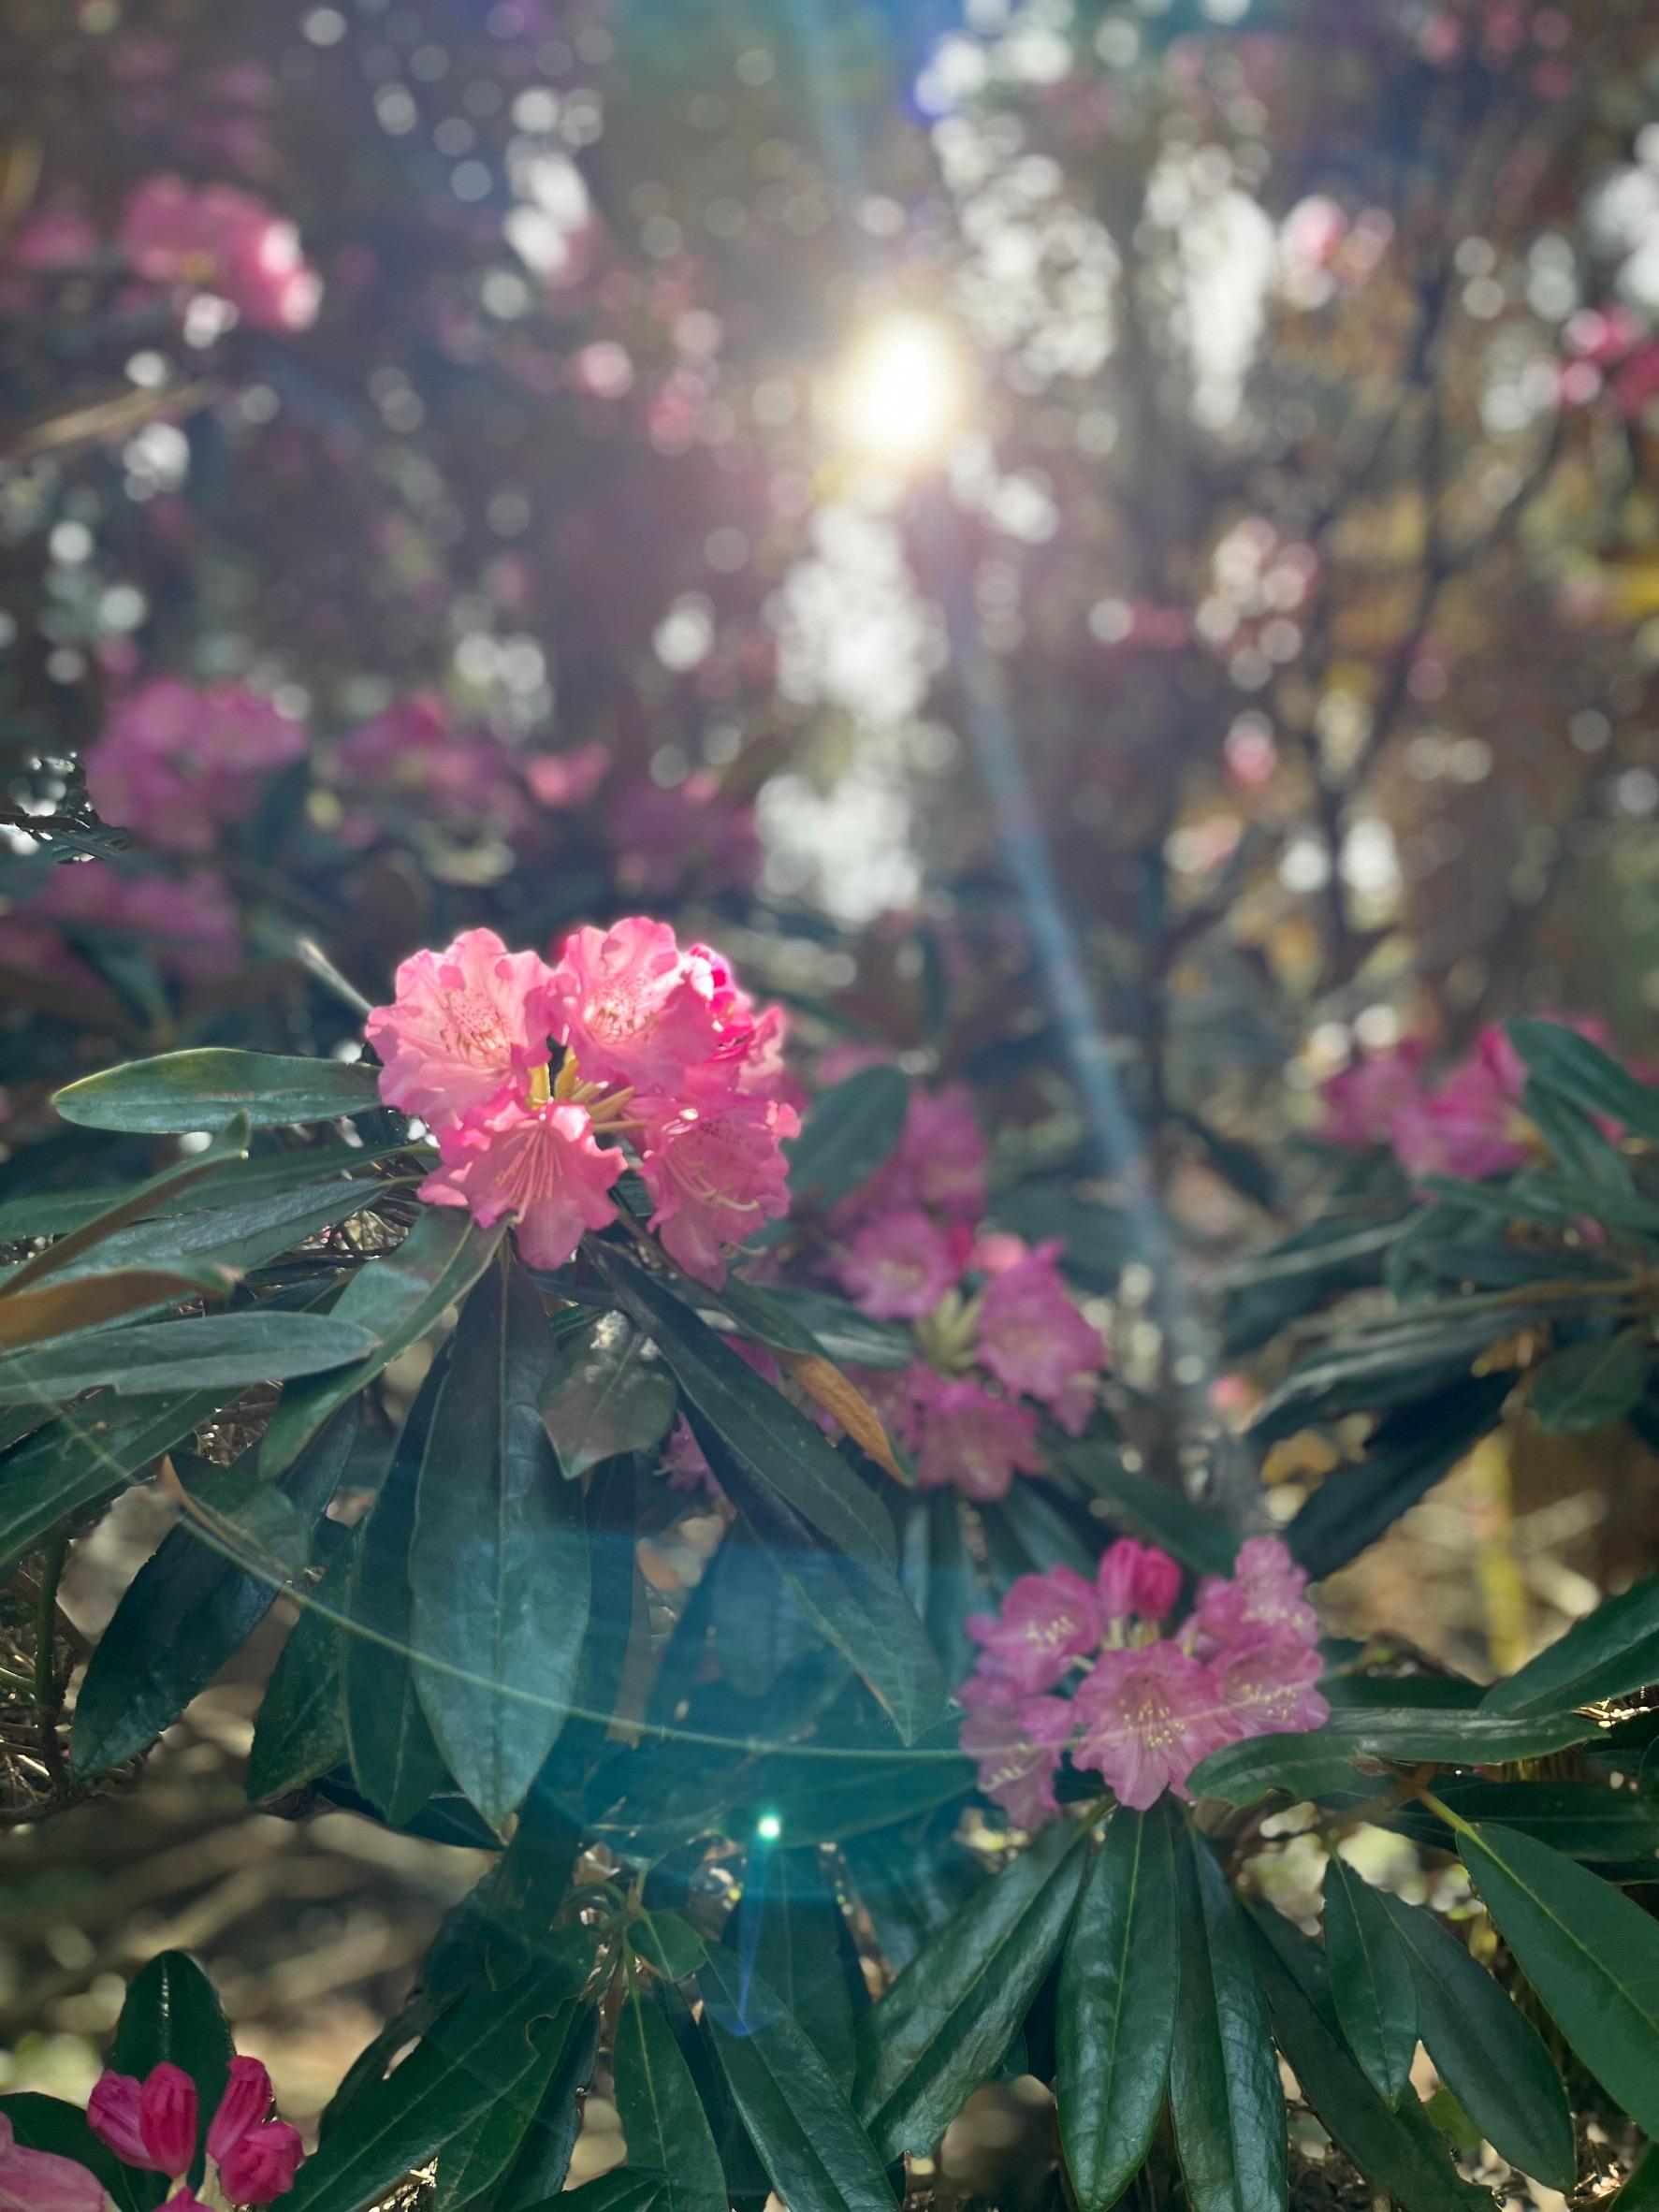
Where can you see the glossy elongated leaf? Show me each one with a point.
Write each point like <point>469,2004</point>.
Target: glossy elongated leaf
<point>398,1300</point>
<point>34,1318</point>
<point>663,2122</point>
<point>211,1088</point>
<point>241,1236</point>
<point>137,1205</point>
<point>849,1131</point>
<point>1117,2012</point>
<point>221,1352</point>
<point>941,2028</point>
<point>172,2015</point>
<point>1587,1386</point>
<point>1605,1655</point>
<point>476,2158</point>
<point>1611,1650</point>
<point>1399,2150</point>
<point>608,1394</point>
<point>542,2158</point>
<point>668,1943</point>
<point>911,1880</point>
<point>89,1450</point>
<point>1427,1351</point>
<point>396,1763</point>
<point>834,1326</point>
<point>1488,2052</point>
<point>1409,1452</point>
<point>790,1930</point>
<point>832,1799</point>
<point>828,1536</point>
<point>1613,1828</point>
<point>1307,1766</point>
<point>50,2124</point>
<point>1590,1953</point>
<point>1200,1539</point>
<point>190,1606</point>
<point>479,2047</point>
<point>759,1433</point>
<point>809,2141</point>
<point>621,2190</point>
<point>1585,1075</point>
<point>1371,1981</point>
<point>1225,2097</point>
<point>498,1566</point>
<point>300,1731</point>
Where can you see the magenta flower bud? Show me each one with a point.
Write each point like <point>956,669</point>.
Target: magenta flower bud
<point>1154,1585</point>
<point>167,2116</point>
<point>245,2104</point>
<point>261,2164</point>
<point>112,2114</point>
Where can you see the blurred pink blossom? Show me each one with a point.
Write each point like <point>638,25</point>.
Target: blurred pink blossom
<point>212,238</point>
<point>176,762</point>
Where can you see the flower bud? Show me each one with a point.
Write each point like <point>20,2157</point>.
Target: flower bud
<point>261,2164</point>
<point>245,2104</point>
<point>167,2116</point>
<point>112,2114</point>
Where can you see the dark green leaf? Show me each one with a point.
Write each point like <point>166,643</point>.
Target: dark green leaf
<point>207,1089</point>
<point>1586,1076</point>
<point>479,2047</point>
<point>849,1131</point>
<point>498,1565</point>
<point>151,1196</point>
<point>829,1537</point>
<point>1576,1144</point>
<point>941,2028</point>
<point>221,1351</point>
<point>1116,2018</point>
<point>790,1930</point>
<point>1641,2193</point>
<point>1617,1829</point>
<point>758,1428</point>
<point>398,1300</point>
<point>1399,2151</point>
<point>622,2190</point>
<point>395,1761</point>
<point>809,2141</point>
<point>1488,2052</point>
<point>663,2119</point>
<point>1199,1538</point>
<point>668,1943</point>
<point>1426,1352</point>
<point>71,1462</point>
<point>609,1394</point>
<point>912,1881</point>
<point>58,1309</point>
<point>1225,2097</point>
<point>1610,1651</point>
<point>830,1325</point>
<point>1371,1981</point>
<point>300,1731</point>
<point>190,1607</point>
<point>542,2158</point>
<point>1590,1953</point>
<point>1587,1386</point>
<point>172,2015</point>
<point>1307,1766</point>
<point>478,2155</point>
<point>1409,1452</point>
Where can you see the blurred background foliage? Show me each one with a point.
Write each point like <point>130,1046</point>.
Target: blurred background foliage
<point>770,455</point>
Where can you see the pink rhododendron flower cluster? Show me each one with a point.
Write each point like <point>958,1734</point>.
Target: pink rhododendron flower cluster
<point>153,2126</point>
<point>187,923</point>
<point>176,762</point>
<point>1087,1667</point>
<point>659,1046</point>
<point>212,238</point>
<point>990,1355</point>
<point>1471,1123</point>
